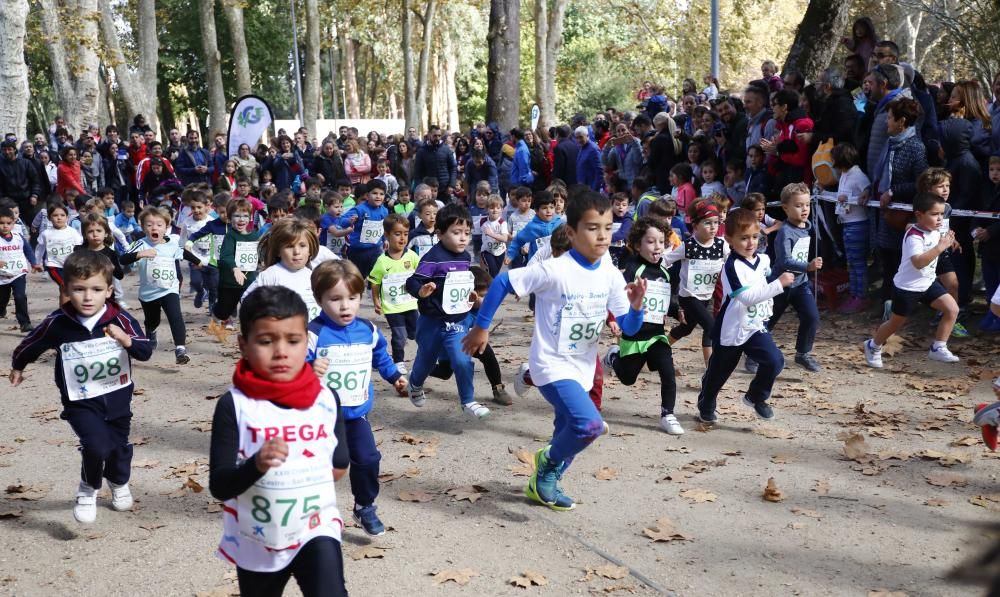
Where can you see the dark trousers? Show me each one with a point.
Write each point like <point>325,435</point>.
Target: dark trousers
<point>403,327</point>
<point>801,298</point>
<point>659,358</point>
<point>171,305</point>
<point>364,258</point>
<point>991,276</point>
<point>759,347</point>
<point>488,358</point>
<point>964,260</point>
<point>492,263</point>
<point>210,282</point>
<point>104,445</point>
<point>225,307</point>
<point>318,569</point>
<point>365,459</point>
<point>890,259</point>
<point>197,280</point>
<point>18,287</point>
<point>696,312</point>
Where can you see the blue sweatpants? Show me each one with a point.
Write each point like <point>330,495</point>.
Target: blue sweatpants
<point>577,422</point>
<point>800,297</point>
<point>759,347</point>
<point>365,459</point>
<point>441,339</point>
<point>856,247</point>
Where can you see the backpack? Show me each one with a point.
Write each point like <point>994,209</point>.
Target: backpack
<point>822,165</point>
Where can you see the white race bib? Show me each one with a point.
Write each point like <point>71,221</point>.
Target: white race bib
<point>800,250</point>
<point>94,368</point>
<point>335,243</point>
<point>371,232</point>
<point>217,246</point>
<point>945,226</point>
<point>757,315</point>
<point>394,290</point>
<point>246,256</point>
<point>348,373</point>
<point>286,505</point>
<point>541,243</point>
<point>493,246</point>
<point>457,287</point>
<point>581,325</point>
<point>702,275</point>
<point>57,252</point>
<point>656,302</point>
<point>203,245</point>
<point>162,272</point>
<point>15,263</point>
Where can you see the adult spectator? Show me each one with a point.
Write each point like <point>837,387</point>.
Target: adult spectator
<point>28,153</point>
<point>47,181</point>
<point>541,167</point>
<point>481,167</point>
<point>664,151</point>
<point>835,117</point>
<point>139,125</point>
<point>493,142</point>
<point>883,88</point>
<point>68,174</point>
<point>435,159</point>
<point>732,138</point>
<point>641,125</point>
<point>174,142</point>
<point>995,116</point>
<point>194,164</point>
<point>220,155</point>
<point>789,159</point>
<point>285,165</point>
<point>912,82</point>
<point>854,72</point>
<point>58,124</point>
<point>248,167</point>
<point>794,81</point>
<point>19,180</point>
<point>622,154</point>
<point>760,125</point>
<point>520,173</point>
<point>111,136</point>
<point>329,166</point>
<point>564,156</point>
<point>588,161</point>
<point>305,150</point>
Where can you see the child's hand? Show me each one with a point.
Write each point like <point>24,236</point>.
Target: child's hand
<point>506,260</point>
<point>680,318</point>
<point>401,385</point>
<point>16,377</point>
<point>427,289</point>
<point>118,335</point>
<point>147,253</point>
<point>353,220</point>
<point>473,297</point>
<point>841,199</point>
<point>786,279</point>
<point>240,277</point>
<point>615,329</point>
<point>3,264</point>
<point>947,240</point>
<point>815,264</point>
<point>475,341</point>
<point>378,308</point>
<point>271,455</point>
<point>981,234</point>
<point>320,366</point>
<point>37,268</point>
<point>636,291</point>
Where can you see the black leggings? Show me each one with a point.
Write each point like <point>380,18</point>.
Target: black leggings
<point>489,360</point>
<point>318,569</point>
<point>171,305</point>
<point>890,259</point>
<point>660,358</point>
<point>229,299</point>
<point>696,312</point>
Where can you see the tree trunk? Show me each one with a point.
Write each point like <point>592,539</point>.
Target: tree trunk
<point>410,114</point>
<point>217,116</point>
<point>425,56</point>
<point>503,97</point>
<point>138,87</point>
<point>553,45</point>
<point>331,56</point>
<point>234,16</point>
<point>76,89</point>
<point>817,37</point>
<point>350,78</point>
<point>312,94</point>
<point>13,72</point>
<point>541,58</point>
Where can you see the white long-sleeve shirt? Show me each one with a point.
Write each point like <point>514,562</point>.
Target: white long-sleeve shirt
<point>55,245</point>
<point>749,299</point>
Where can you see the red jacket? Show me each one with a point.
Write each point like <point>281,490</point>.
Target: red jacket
<point>800,158</point>
<point>68,177</point>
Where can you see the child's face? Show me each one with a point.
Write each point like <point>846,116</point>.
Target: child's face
<point>767,71</point>
<point>797,208</point>
<point>546,212</point>
<point>494,212</point>
<point>6,225</point>
<point>421,195</point>
<point>277,214</point>
<point>243,189</point>
<point>931,219</point>
<point>17,212</point>
<point>733,175</point>
<point>995,173</point>
<point>481,198</point>
<point>456,237</point>
<point>759,210</point>
<point>109,201</point>
<point>95,235</point>
<point>428,215</point>
<point>560,204</point>
<point>403,196</point>
<point>694,154</point>
<point>313,192</point>
<point>336,208</point>
<point>58,218</point>
<point>651,245</point>
<point>199,210</point>
<point>230,168</point>
<point>524,204</point>
<point>376,197</point>
<point>241,220</point>
<point>705,230</point>
<point>674,181</point>
<point>344,190</point>
<point>129,212</point>
<point>708,173</point>
<point>295,256</point>
<point>620,208</point>
<point>744,242</point>
<point>942,189</point>
<point>383,169</point>
<point>592,234</point>
<point>155,228</point>
<point>756,159</point>
<point>340,304</point>
<point>398,237</point>
<point>276,348</point>
<point>88,295</point>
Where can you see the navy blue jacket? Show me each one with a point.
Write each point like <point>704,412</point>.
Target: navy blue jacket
<point>188,159</point>
<point>434,267</point>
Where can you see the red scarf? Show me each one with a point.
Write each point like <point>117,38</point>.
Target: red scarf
<point>299,393</point>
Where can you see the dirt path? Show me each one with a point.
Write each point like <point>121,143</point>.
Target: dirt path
<point>898,517</point>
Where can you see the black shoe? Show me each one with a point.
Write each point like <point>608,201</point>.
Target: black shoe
<point>750,365</point>
<point>807,361</point>
<point>26,327</point>
<point>761,408</point>
<point>709,418</point>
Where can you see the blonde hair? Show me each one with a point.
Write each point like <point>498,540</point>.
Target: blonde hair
<point>155,212</point>
<point>330,273</point>
<point>284,233</point>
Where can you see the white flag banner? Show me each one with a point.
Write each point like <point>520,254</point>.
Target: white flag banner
<point>250,118</point>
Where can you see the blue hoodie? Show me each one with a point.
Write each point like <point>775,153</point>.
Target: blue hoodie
<point>520,173</point>
<point>536,230</point>
<point>364,213</point>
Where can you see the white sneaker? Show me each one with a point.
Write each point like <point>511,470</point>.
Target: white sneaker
<point>85,509</point>
<point>671,425</point>
<point>229,325</point>
<point>121,497</point>
<point>605,428</point>
<point>123,304</point>
<point>474,409</point>
<point>873,354</point>
<point>520,386</point>
<point>401,367</point>
<point>607,362</point>
<point>942,354</point>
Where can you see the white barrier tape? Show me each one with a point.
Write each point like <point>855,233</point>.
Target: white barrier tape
<point>831,197</point>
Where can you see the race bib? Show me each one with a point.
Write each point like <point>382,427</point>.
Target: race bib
<point>757,315</point>
<point>656,302</point>
<point>457,287</point>
<point>162,272</point>
<point>203,244</point>
<point>541,243</point>
<point>702,275</point>
<point>15,263</point>
<point>94,368</point>
<point>57,252</point>
<point>287,504</point>
<point>371,232</point>
<point>348,373</point>
<point>800,250</point>
<point>493,246</point>
<point>945,226</point>
<point>335,243</point>
<point>581,325</point>
<point>246,256</point>
<point>394,290</point>
<point>217,246</point>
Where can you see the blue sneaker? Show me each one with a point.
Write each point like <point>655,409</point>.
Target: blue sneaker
<point>368,519</point>
<point>199,300</point>
<point>543,486</point>
<point>761,408</point>
<point>152,339</point>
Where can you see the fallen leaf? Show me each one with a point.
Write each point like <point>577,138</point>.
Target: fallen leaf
<point>702,427</point>
<point>151,526</point>
<point>664,530</point>
<point>7,450</point>
<point>411,439</point>
<point>219,331</point>
<point>11,513</point>
<point>893,345</point>
<point>23,491</point>
<point>698,496</point>
<point>772,493</point>
<point>611,571</point>
<point>945,458</point>
<point>369,552</point>
<point>822,487</point>
<point>807,512</point>
<point>529,578</point>
<point>945,479</point>
<point>467,492</point>
<point>213,508</point>
<point>193,485</point>
<point>202,426</point>
<point>424,452</point>
<point>140,441</point>
<point>855,447</point>
<point>773,432</point>
<point>144,463</point>
<point>460,577</point>
<point>795,526</point>
<point>605,474</point>
<point>784,458</point>
<point>989,501</point>
<point>681,449</point>
<point>415,496</point>
<point>138,391</point>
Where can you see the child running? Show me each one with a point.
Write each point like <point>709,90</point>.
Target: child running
<point>495,237</point>
<point>207,243</point>
<point>276,434</point>
<point>195,221</point>
<point>286,251</point>
<point>538,232</point>
<point>97,237</point>
<point>649,346</point>
<point>741,325</point>
<point>574,293</point>
<point>344,349</point>
<point>16,260</point>
<point>388,282</point>
<point>365,242</point>
<point>237,261</point>
<point>56,243</point>
<point>95,342</point>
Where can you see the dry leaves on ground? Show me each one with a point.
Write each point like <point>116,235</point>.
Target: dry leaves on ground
<point>414,440</point>
<point>664,530</point>
<point>606,571</point>
<point>7,450</point>
<point>886,593</point>
<point>855,447</point>
<point>772,493</point>
<point>467,492</point>
<point>426,451</point>
<point>219,332</point>
<point>773,432</point>
<point>145,463</point>
<point>784,458</point>
<point>698,496</point>
<point>529,578</point>
<point>605,474</point>
<point>368,552</point>
<point>965,441</point>
<point>945,479</point>
<point>415,496</point>
<point>526,459</point>
<point>11,513</point>
<point>389,476</point>
<point>989,501</point>
<point>945,458</point>
<point>27,491</point>
<point>460,577</point>
<point>807,512</point>
<point>892,346</point>
<point>822,487</point>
